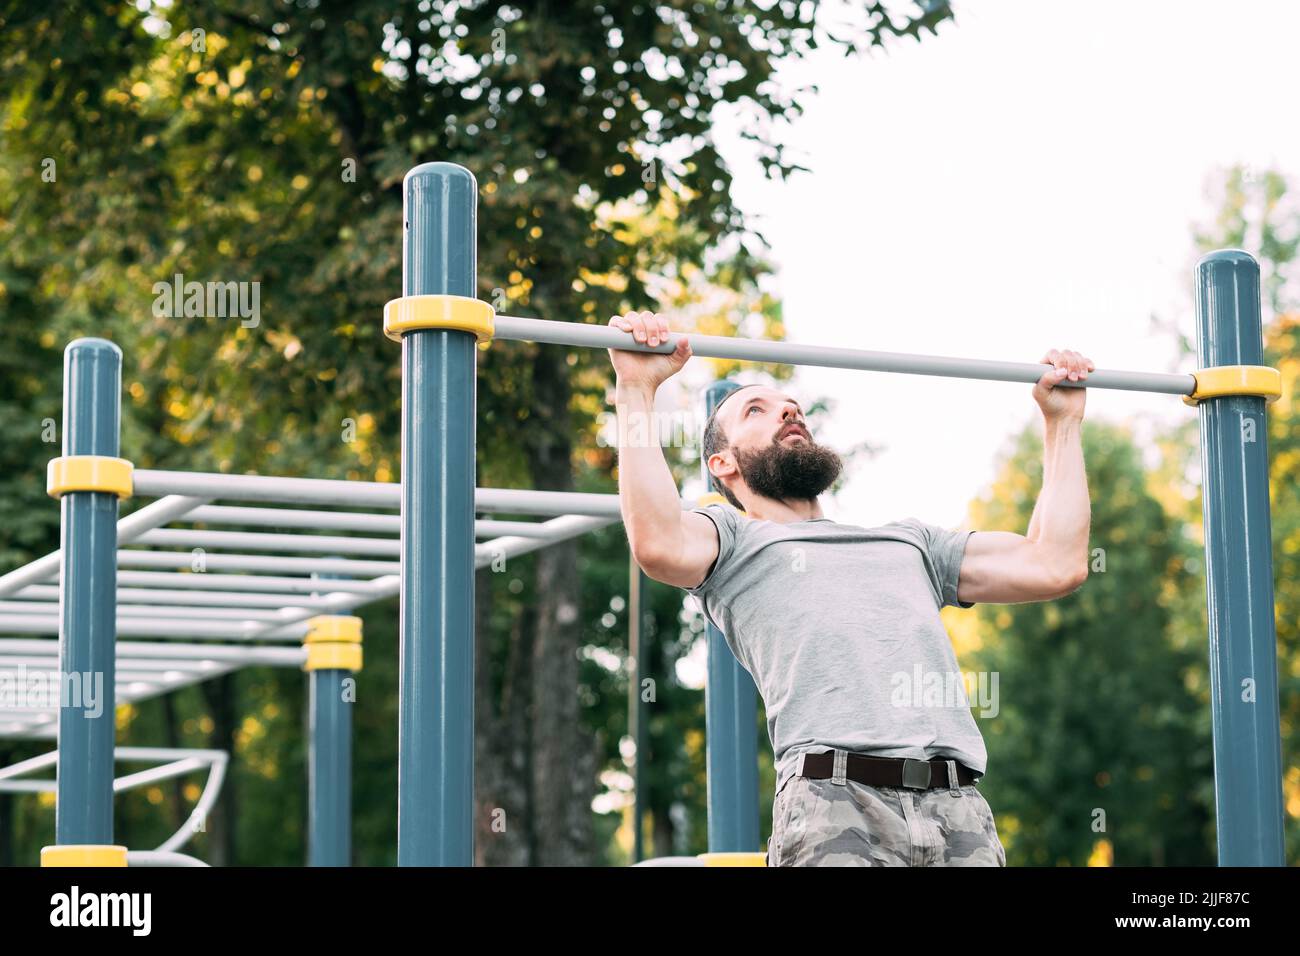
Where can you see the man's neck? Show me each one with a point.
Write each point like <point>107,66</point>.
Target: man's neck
<point>783,512</point>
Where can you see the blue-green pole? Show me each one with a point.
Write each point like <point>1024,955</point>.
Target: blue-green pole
<point>92,388</point>
<point>436,736</point>
<point>329,767</point>
<point>638,729</point>
<point>330,772</point>
<point>731,723</point>
<point>1239,571</point>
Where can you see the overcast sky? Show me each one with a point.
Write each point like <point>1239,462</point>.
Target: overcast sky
<point>1030,178</point>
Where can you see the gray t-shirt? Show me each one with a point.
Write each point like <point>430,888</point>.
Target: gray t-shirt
<point>839,626</point>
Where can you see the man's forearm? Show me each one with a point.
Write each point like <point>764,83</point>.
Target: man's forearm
<point>1062,514</point>
<point>648,495</point>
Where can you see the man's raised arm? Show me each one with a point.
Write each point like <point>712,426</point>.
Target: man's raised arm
<point>1050,560</point>
<point>670,545</point>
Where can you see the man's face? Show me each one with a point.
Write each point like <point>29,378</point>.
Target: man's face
<point>772,447</point>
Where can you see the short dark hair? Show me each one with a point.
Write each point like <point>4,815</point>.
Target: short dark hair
<point>715,440</point>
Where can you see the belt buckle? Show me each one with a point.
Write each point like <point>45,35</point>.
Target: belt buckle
<point>916,774</point>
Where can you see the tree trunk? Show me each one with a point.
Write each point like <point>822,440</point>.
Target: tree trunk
<point>501,831</point>
<point>564,766</point>
<point>563,762</point>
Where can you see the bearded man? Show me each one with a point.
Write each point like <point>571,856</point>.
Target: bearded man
<point>834,621</point>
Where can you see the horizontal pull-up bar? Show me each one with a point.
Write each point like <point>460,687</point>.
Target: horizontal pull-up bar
<point>203,486</point>
<point>583,335</point>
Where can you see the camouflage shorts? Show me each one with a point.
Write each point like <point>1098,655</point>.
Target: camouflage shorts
<point>823,823</point>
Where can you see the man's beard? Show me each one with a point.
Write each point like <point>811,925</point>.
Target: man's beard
<point>789,471</point>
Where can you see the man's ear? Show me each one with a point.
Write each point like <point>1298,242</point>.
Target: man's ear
<point>722,464</point>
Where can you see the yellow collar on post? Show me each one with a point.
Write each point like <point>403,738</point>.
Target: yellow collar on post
<point>456,312</point>
<point>333,642</point>
<point>1221,380</point>
<point>89,473</point>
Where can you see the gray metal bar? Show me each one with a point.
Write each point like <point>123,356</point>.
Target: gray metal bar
<point>128,529</point>
<point>170,650</point>
<point>560,529</point>
<point>159,858</point>
<point>141,627</point>
<point>334,520</point>
<point>322,491</point>
<point>262,541</point>
<point>554,530</point>
<point>51,609</point>
<point>236,582</point>
<point>44,593</point>
<point>512,501</point>
<point>227,654</point>
<point>29,786</point>
<point>307,491</point>
<point>166,771</point>
<point>145,668</point>
<point>257,562</point>
<point>30,765</point>
<point>297,518</point>
<point>338,602</point>
<point>582,335</point>
<point>486,528</point>
<point>1239,572</point>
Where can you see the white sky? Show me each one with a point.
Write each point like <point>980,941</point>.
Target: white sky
<point>1029,178</point>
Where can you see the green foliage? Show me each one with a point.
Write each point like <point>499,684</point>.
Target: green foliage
<point>1098,751</point>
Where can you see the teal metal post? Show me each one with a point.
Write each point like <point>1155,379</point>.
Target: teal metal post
<point>329,768</point>
<point>731,723</point>
<point>1239,571</point>
<point>330,771</point>
<point>636,708</point>
<point>92,389</point>
<point>436,736</point>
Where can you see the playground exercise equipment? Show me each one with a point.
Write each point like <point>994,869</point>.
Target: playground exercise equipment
<point>439,322</point>
<point>217,598</point>
<point>169,762</point>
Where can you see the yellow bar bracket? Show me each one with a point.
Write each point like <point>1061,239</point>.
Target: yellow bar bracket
<point>89,473</point>
<point>457,312</point>
<point>1221,380</point>
<point>333,642</point>
<point>73,854</point>
<point>733,859</point>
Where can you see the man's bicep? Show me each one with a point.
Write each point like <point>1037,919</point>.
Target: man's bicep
<point>1001,567</point>
<point>984,566</point>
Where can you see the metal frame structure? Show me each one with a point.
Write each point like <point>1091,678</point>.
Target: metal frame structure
<point>439,321</point>
<point>250,591</point>
<point>170,762</point>
<point>220,599</point>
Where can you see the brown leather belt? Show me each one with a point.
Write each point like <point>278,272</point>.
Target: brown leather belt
<point>887,771</point>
